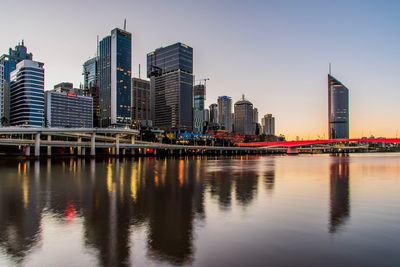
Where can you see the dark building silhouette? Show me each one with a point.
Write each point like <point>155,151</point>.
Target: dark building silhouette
<point>339,193</point>
<point>170,70</point>
<point>338,109</point>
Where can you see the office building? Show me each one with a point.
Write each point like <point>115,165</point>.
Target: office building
<point>206,115</point>
<point>338,109</point>
<point>27,94</point>
<point>141,111</point>
<point>66,106</point>
<point>199,95</point>
<point>268,124</point>
<point>115,64</point>
<point>255,120</point>
<point>91,86</point>
<point>9,63</point>
<point>213,113</point>
<point>170,70</point>
<point>2,93</point>
<point>244,115</point>
<point>225,113</point>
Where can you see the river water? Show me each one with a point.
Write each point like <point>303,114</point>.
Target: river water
<point>312,210</point>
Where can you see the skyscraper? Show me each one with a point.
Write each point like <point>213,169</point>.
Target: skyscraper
<point>141,112</point>
<point>268,124</point>
<point>244,115</point>
<point>213,113</point>
<point>115,64</point>
<point>170,70</point>
<point>91,87</point>
<point>225,113</point>
<point>199,94</point>
<point>255,120</point>
<point>27,94</point>
<point>9,63</point>
<point>338,109</point>
<point>1,91</point>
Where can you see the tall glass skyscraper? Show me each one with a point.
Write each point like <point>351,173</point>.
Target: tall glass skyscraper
<point>170,70</point>
<point>199,93</point>
<point>244,115</point>
<point>27,94</point>
<point>213,113</point>
<point>9,63</point>
<point>115,63</point>
<point>225,113</point>
<point>91,87</point>
<point>1,92</point>
<point>338,109</point>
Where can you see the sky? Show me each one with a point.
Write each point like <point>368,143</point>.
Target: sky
<point>277,53</point>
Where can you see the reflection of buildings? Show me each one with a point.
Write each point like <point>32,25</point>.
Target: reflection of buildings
<point>114,197</point>
<point>340,193</point>
<point>270,176</point>
<point>20,211</point>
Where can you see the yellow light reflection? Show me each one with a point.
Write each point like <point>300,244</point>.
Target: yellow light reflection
<point>109,177</point>
<point>181,172</point>
<point>133,182</point>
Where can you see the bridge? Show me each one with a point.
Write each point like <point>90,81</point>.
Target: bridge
<point>292,146</point>
<point>116,141</point>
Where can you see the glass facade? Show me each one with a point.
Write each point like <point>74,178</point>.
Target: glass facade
<point>199,95</point>
<point>338,105</point>
<point>141,103</point>
<point>91,88</point>
<point>115,63</point>
<point>27,94</point>
<point>213,113</point>
<point>1,91</point>
<point>170,70</point>
<point>9,62</point>
<point>225,113</point>
<point>244,115</point>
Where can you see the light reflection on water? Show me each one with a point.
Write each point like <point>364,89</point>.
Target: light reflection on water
<point>303,211</point>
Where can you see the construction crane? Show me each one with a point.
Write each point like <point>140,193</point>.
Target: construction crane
<point>203,80</point>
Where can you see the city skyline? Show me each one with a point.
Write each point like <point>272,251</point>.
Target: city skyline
<point>285,63</point>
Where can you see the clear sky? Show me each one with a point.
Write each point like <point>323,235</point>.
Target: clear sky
<point>275,52</point>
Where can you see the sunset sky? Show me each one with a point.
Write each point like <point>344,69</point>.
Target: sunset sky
<point>275,52</point>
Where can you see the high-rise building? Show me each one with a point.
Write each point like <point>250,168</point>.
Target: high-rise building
<point>338,109</point>
<point>213,113</point>
<point>1,92</point>
<point>170,70</point>
<point>225,113</point>
<point>115,64</point>
<point>66,106</point>
<point>91,86</point>
<point>9,63</point>
<point>268,124</point>
<point>141,111</point>
<point>27,94</point>
<point>206,115</point>
<point>199,95</point>
<point>244,115</point>
<point>255,120</point>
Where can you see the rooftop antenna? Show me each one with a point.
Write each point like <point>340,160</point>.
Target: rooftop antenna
<point>139,71</point>
<point>125,25</point>
<point>330,68</point>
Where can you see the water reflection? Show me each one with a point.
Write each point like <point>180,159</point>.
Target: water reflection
<point>168,198</point>
<point>339,193</point>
